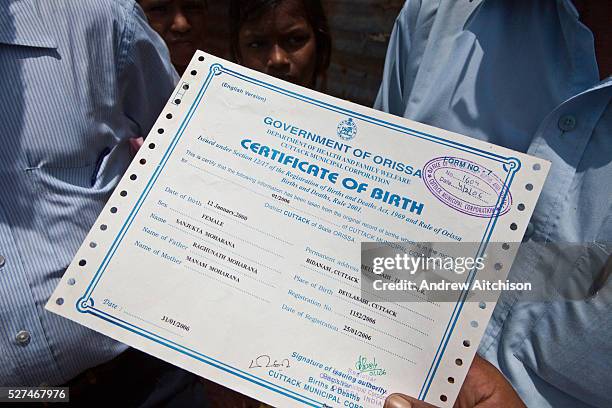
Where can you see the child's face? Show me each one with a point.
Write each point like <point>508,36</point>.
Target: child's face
<point>180,23</point>
<point>281,43</point>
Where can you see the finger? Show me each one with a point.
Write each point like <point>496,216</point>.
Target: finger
<point>404,401</point>
<point>486,387</point>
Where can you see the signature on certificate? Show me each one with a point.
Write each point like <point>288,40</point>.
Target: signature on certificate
<point>265,361</point>
<point>369,367</point>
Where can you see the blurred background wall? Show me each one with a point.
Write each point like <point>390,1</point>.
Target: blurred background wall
<point>360,31</point>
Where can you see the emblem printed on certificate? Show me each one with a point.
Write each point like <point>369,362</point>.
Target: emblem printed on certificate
<point>233,245</point>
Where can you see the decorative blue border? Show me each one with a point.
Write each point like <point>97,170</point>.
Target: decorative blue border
<point>86,303</point>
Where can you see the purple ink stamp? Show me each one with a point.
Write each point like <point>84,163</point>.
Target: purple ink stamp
<point>467,187</point>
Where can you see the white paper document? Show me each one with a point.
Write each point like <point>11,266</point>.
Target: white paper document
<point>232,246</point>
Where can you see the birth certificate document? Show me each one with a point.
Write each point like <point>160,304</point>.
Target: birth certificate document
<point>232,247</point>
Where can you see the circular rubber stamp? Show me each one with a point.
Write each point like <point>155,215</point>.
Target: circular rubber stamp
<point>467,187</point>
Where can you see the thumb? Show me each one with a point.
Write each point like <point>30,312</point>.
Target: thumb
<point>404,401</point>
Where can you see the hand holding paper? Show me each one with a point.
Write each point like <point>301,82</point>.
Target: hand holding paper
<point>484,387</point>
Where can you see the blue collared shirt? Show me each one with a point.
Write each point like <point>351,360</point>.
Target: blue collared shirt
<point>523,74</point>
<point>77,80</point>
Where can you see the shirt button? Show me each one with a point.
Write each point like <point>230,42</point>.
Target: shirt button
<point>529,232</point>
<point>23,338</point>
<point>567,123</point>
<point>2,261</point>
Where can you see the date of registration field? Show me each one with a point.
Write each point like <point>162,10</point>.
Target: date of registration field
<point>34,394</point>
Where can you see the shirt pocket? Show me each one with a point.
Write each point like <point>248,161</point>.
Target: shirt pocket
<point>92,180</point>
<point>569,345</point>
<point>68,201</point>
